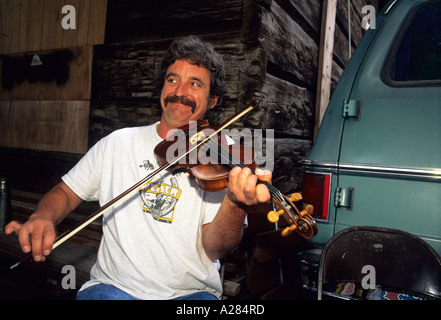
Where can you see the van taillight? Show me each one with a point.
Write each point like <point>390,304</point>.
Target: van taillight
<point>316,193</point>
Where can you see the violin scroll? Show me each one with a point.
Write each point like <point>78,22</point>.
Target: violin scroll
<point>300,221</point>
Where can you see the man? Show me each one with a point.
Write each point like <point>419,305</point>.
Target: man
<point>165,241</point>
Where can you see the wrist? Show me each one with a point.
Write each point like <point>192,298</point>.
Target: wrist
<point>42,215</point>
<point>233,202</point>
<point>243,207</point>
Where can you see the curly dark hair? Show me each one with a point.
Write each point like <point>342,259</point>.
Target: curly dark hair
<point>199,53</point>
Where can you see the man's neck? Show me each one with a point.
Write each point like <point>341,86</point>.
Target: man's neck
<point>163,130</point>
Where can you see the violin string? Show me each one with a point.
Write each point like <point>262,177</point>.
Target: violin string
<point>274,192</point>
<point>233,161</point>
<point>229,121</point>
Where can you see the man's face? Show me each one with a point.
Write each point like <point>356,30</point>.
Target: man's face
<point>185,95</point>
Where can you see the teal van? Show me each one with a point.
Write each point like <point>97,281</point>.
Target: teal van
<point>377,157</point>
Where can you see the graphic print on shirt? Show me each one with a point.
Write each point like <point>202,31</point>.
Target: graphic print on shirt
<point>146,164</point>
<point>159,199</point>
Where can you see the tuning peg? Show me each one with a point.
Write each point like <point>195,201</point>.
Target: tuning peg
<point>295,197</point>
<point>308,210</point>
<point>288,230</point>
<point>273,216</point>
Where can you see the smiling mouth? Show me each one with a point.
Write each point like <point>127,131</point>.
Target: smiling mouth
<point>182,100</point>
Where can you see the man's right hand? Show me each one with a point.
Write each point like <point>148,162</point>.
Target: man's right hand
<point>36,235</point>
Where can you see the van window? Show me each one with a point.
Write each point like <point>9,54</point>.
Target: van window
<point>418,58</point>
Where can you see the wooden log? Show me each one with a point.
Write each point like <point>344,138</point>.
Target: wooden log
<point>352,26</point>
<point>289,108</point>
<point>341,53</point>
<point>287,174</point>
<point>309,11</point>
<point>288,45</point>
<point>133,20</point>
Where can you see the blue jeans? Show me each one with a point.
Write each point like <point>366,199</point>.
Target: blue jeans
<point>108,292</point>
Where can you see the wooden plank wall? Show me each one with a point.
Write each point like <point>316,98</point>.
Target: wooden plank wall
<point>34,25</point>
<point>45,125</point>
<point>40,113</point>
<point>48,116</point>
<point>76,87</point>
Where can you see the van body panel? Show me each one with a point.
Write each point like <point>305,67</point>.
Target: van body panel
<point>329,135</point>
<point>390,155</point>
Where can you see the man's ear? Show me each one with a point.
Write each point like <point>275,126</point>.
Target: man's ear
<point>213,102</point>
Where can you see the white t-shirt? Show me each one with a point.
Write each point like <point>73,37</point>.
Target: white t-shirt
<point>151,246</point>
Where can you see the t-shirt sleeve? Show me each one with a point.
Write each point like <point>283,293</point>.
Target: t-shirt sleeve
<point>85,177</point>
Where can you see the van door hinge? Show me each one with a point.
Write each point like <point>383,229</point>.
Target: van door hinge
<point>352,109</point>
<point>344,198</point>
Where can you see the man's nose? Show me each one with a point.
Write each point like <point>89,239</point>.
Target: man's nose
<point>181,90</point>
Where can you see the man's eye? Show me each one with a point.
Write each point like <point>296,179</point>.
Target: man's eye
<point>195,84</point>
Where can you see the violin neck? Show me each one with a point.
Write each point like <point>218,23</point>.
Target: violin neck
<point>234,162</point>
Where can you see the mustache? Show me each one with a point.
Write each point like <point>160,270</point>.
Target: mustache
<point>183,100</point>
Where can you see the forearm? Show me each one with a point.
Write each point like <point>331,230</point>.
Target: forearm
<point>57,204</point>
<point>225,232</point>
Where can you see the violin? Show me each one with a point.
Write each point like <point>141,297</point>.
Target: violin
<point>210,175</point>
<point>210,162</point>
